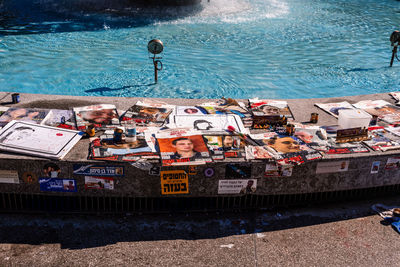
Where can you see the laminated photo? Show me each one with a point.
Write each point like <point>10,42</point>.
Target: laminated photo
<point>102,116</point>
<point>257,152</point>
<point>93,182</point>
<point>393,163</point>
<point>382,139</point>
<point>32,115</point>
<point>313,136</point>
<point>333,108</point>
<point>60,118</point>
<point>290,149</point>
<point>183,150</point>
<point>215,146</point>
<point>208,123</point>
<point>375,166</point>
<point>37,140</point>
<point>278,170</point>
<point>189,110</point>
<point>269,107</point>
<point>148,113</point>
<point>107,149</point>
<point>381,108</point>
<point>224,106</point>
<point>332,166</point>
<point>242,186</point>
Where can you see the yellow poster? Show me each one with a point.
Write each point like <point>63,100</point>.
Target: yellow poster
<point>174,182</point>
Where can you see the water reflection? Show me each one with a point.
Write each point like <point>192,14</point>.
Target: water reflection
<point>52,16</point>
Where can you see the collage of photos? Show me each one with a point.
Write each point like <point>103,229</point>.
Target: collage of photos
<point>225,130</point>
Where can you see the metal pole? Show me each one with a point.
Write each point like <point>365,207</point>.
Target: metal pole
<point>155,70</point>
<point>394,52</point>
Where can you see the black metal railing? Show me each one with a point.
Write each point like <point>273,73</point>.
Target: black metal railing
<point>24,202</point>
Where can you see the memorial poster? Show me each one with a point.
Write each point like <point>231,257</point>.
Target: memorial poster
<point>93,182</point>
<point>240,186</point>
<point>57,185</point>
<point>332,166</point>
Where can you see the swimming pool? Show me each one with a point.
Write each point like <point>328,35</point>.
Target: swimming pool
<point>231,48</point>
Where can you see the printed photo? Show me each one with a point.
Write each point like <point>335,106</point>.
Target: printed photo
<point>23,114</point>
<point>148,114</point>
<point>183,150</point>
<point>242,186</point>
<point>92,182</point>
<point>99,115</point>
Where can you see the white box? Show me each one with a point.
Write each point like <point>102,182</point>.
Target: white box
<point>353,118</point>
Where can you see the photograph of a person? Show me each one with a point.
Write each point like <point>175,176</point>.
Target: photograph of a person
<point>283,144</point>
<point>23,114</point>
<point>99,115</point>
<point>212,123</point>
<point>148,114</point>
<point>268,107</point>
<point>69,185</point>
<point>183,149</point>
<point>249,188</point>
<point>188,110</point>
<point>231,142</point>
<point>51,170</point>
<point>305,136</point>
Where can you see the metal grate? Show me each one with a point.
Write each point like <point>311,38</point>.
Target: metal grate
<point>17,202</point>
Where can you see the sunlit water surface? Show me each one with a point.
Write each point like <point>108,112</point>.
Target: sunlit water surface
<point>231,48</point>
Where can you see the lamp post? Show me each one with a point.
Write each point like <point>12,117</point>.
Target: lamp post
<point>394,40</point>
<point>155,47</point>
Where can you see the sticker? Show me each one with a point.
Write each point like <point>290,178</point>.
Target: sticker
<point>192,170</point>
<point>274,169</point>
<point>154,171</point>
<point>98,170</point>
<point>174,182</point>
<point>209,172</point>
<point>392,163</point>
<point>29,178</point>
<point>92,182</point>
<point>57,185</point>
<point>51,170</point>
<point>143,165</point>
<point>335,166</point>
<point>237,186</point>
<point>375,166</point>
<point>9,177</point>
<point>238,171</point>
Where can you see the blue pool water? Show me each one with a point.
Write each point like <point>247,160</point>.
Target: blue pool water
<point>231,48</point>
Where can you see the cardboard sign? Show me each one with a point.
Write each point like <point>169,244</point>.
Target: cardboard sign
<point>98,170</point>
<point>174,182</point>
<point>9,177</point>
